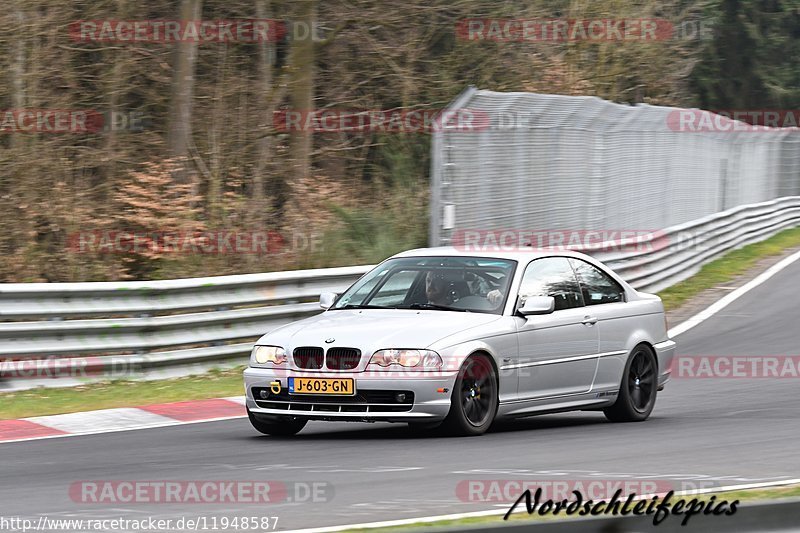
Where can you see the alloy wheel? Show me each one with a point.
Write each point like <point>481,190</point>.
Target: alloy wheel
<point>477,391</point>
<point>641,381</point>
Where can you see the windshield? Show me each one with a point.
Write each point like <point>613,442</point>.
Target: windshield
<point>466,284</point>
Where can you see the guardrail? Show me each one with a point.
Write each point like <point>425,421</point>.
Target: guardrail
<point>156,324</point>
<point>171,323</point>
<point>680,251</point>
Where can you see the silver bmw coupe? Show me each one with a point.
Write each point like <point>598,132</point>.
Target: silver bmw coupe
<point>442,338</point>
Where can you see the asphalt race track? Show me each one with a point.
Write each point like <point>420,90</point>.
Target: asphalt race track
<point>707,431</point>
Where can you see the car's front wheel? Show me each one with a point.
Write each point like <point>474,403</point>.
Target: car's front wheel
<point>283,426</point>
<point>637,393</point>
<point>474,399</point>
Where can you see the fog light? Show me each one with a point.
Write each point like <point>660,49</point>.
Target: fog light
<point>264,394</point>
<point>400,397</point>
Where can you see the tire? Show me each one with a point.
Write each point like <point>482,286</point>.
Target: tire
<point>282,426</point>
<point>473,404</point>
<point>639,387</point>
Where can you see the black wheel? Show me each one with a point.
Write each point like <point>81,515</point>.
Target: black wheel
<point>474,400</point>
<point>284,426</point>
<point>637,393</point>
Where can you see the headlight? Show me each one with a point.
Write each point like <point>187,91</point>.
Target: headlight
<point>269,354</point>
<point>407,358</point>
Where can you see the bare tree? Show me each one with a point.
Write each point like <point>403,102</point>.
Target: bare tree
<point>179,135</point>
<point>266,65</point>
<point>301,81</point>
<point>17,70</point>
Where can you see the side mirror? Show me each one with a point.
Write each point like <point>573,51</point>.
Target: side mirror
<point>537,305</point>
<point>326,299</point>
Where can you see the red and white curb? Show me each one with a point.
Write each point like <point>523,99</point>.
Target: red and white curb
<point>121,419</point>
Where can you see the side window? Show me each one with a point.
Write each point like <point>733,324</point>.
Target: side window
<point>597,286</point>
<point>552,276</point>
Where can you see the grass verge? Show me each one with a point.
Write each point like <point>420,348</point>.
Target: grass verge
<point>752,495</point>
<point>120,393</point>
<point>728,267</point>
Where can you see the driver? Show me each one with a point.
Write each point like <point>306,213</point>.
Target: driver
<point>436,290</point>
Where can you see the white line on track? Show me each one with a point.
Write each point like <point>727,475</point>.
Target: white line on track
<point>728,299</point>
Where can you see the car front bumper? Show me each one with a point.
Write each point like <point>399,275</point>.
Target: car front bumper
<point>431,396</point>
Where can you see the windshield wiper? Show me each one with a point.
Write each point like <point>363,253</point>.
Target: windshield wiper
<point>437,307</point>
<point>363,306</point>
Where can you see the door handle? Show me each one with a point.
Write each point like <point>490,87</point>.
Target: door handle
<point>589,320</point>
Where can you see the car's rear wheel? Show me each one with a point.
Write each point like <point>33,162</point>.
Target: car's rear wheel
<point>283,426</point>
<point>637,393</point>
<point>474,399</point>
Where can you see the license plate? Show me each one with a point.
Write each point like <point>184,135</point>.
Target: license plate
<point>333,386</point>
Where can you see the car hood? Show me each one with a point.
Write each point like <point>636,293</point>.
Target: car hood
<point>374,329</point>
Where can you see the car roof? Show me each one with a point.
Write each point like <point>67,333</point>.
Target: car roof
<point>520,255</point>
